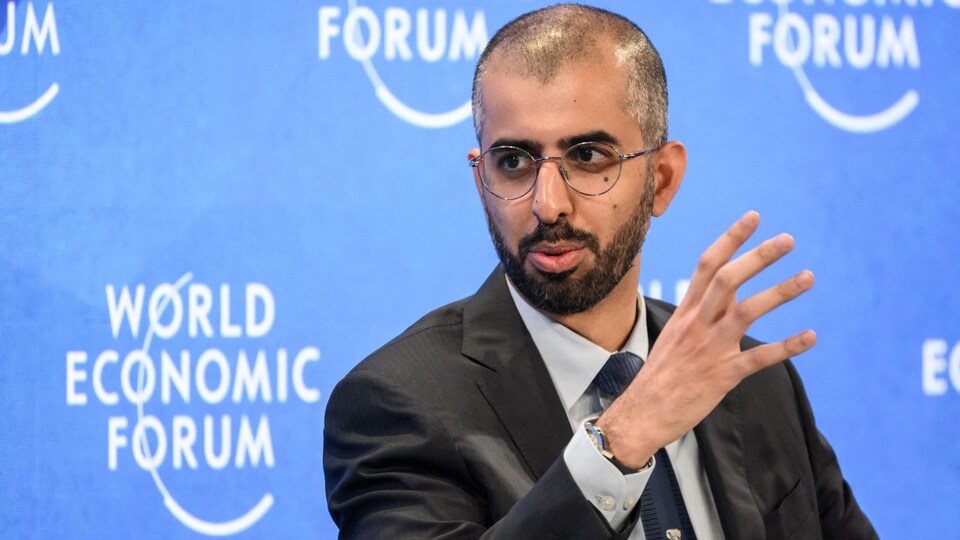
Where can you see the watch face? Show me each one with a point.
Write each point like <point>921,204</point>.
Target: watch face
<point>595,436</point>
<point>593,439</point>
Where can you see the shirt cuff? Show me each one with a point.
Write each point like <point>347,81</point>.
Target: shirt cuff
<point>611,492</point>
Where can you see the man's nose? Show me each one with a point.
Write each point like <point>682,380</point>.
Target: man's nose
<point>551,194</point>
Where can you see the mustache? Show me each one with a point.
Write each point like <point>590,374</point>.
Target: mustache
<point>559,231</point>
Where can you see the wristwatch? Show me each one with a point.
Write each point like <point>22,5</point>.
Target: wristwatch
<point>600,441</point>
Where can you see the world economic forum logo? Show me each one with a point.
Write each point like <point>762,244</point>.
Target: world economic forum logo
<point>28,35</point>
<point>201,378</point>
<point>834,35</point>
<point>404,35</point>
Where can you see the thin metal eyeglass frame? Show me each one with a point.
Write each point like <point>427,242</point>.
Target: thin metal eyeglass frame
<point>475,163</point>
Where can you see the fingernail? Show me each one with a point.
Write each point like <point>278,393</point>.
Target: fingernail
<point>784,241</point>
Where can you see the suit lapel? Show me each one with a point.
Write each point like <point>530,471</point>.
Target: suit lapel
<point>518,386</point>
<point>720,438</point>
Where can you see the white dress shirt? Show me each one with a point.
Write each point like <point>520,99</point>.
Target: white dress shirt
<point>573,361</point>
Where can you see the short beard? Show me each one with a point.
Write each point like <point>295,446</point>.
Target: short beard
<point>559,293</point>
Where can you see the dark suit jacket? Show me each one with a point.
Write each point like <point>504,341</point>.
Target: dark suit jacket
<point>454,430</point>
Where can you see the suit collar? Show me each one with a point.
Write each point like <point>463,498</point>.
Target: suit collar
<point>491,324</point>
<point>572,360</point>
<point>517,385</point>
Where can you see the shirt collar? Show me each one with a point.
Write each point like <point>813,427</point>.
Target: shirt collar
<point>572,360</point>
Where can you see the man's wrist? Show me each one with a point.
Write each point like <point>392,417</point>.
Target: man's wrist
<point>601,442</point>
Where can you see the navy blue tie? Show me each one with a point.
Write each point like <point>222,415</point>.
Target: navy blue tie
<point>662,511</point>
<point>618,372</point>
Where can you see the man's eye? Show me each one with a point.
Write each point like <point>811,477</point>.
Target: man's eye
<point>512,161</point>
<point>584,154</point>
<point>591,156</point>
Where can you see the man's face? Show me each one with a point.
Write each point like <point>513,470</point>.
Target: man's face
<point>564,251</point>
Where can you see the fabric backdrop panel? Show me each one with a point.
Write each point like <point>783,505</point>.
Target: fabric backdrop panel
<point>210,211</point>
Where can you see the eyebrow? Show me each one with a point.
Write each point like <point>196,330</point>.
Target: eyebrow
<point>536,148</point>
<point>592,136</point>
<point>529,145</point>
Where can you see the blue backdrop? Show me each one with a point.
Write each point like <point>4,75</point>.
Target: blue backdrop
<point>210,211</point>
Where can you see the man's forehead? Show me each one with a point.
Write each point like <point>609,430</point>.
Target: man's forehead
<point>583,98</point>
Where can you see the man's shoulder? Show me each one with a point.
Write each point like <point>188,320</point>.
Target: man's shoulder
<point>442,323</point>
<point>433,338</point>
<point>437,340</point>
<point>423,368</point>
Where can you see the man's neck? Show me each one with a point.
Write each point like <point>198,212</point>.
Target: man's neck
<point>609,323</point>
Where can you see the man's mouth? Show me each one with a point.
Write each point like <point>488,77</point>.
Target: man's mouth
<point>556,258</point>
<point>556,250</point>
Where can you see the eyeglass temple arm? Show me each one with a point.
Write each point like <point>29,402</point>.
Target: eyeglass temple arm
<point>640,153</point>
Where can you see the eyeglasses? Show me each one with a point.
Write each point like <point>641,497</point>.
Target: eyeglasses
<point>589,168</point>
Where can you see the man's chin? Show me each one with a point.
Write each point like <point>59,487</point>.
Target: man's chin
<point>556,293</point>
<point>553,277</point>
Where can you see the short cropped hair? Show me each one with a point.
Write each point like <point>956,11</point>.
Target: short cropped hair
<point>539,43</point>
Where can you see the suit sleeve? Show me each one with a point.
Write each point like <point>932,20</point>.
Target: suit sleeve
<point>840,515</point>
<point>393,471</point>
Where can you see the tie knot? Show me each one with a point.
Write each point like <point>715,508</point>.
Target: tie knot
<point>618,372</point>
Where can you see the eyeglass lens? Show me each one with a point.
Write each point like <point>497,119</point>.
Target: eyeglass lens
<point>590,168</point>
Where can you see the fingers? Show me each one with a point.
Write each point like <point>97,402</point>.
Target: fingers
<point>723,288</point>
<point>766,301</point>
<point>718,254</point>
<point>762,356</point>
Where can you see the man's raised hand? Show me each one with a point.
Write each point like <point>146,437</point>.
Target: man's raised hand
<point>697,358</point>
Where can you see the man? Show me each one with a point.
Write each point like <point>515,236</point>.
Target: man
<point>501,416</point>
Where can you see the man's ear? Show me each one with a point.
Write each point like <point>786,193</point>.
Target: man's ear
<point>669,164</point>
<point>476,171</point>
